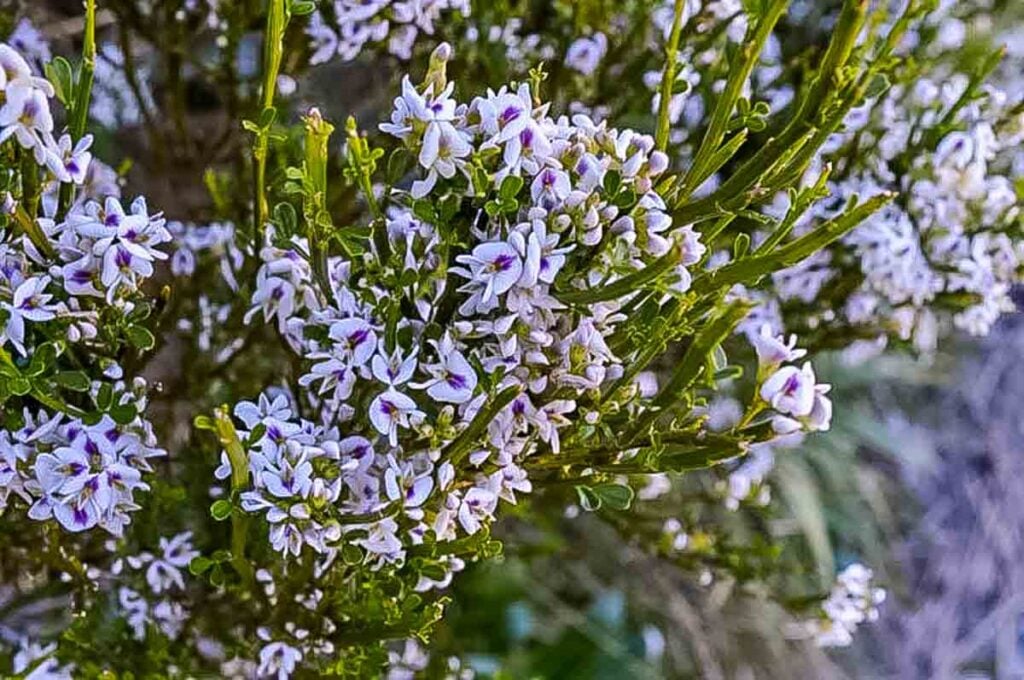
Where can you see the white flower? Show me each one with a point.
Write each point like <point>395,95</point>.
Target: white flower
<point>441,154</point>
<point>479,504</point>
<point>279,660</point>
<point>30,303</point>
<point>26,115</point>
<point>354,340</point>
<point>550,187</point>
<point>164,572</point>
<point>495,267</point>
<point>453,378</point>
<point>69,163</point>
<point>392,410</point>
<point>790,390</point>
<point>775,350</point>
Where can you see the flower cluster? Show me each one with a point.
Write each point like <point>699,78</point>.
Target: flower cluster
<point>25,115</point>
<point>164,578</point>
<point>398,22</point>
<point>465,347</point>
<point>794,394</point>
<point>70,294</point>
<point>947,253</point>
<point>852,601</point>
<point>81,475</point>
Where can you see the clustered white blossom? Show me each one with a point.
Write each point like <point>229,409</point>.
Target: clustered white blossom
<point>398,22</point>
<point>218,240</point>
<point>165,578</point>
<point>586,53</point>
<point>30,42</point>
<point>25,115</point>
<point>852,601</point>
<point>57,287</point>
<point>373,468</point>
<point>81,475</point>
<point>413,659</point>
<point>947,252</point>
<point>521,51</point>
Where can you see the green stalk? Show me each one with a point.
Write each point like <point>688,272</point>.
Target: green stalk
<point>627,284</point>
<point>318,134</point>
<point>80,112</point>
<point>461,446</point>
<point>793,252</point>
<point>228,436</point>
<point>804,121</point>
<point>668,76</point>
<point>714,332</point>
<point>739,73</point>
<point>273,48</point>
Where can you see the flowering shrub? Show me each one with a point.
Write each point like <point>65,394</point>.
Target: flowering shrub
<point>533,286</point>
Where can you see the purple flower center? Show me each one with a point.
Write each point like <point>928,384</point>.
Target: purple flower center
<point>502,262</point>
<point>80,516</point>
<point>510,114</point>
<point>357,338</point>
<point>123,258</point>
<point>456,381</point>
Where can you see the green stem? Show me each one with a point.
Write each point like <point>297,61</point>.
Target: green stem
<point>80,113</point>
<point>273,48</point>
<point>228,436</point>
<point>739,73</point>
<point>668,76</point>
<point>460,447</point>
<point>627,284</point>
<point>803,123</point>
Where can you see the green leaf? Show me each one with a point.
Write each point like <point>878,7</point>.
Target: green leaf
<point>202,422</point>
<point>221,510</point>
<point>76,381</point>
<point>43,358</point>
<point>199,565</point>
<point>741,246</point>
<point>123,414</point>
<point>60,75</point>
<point>589,500</point>
<point>351,554</point>
<point>301,8</point>
<point>878,85</point>
<point>19,386</point>
<point>424,211</point>
<point>140,337</point>
<point>286,218</point>
<point>510,187</point>
<point>267,117</point>
<point>433,571</point>
<point>614,496</point>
